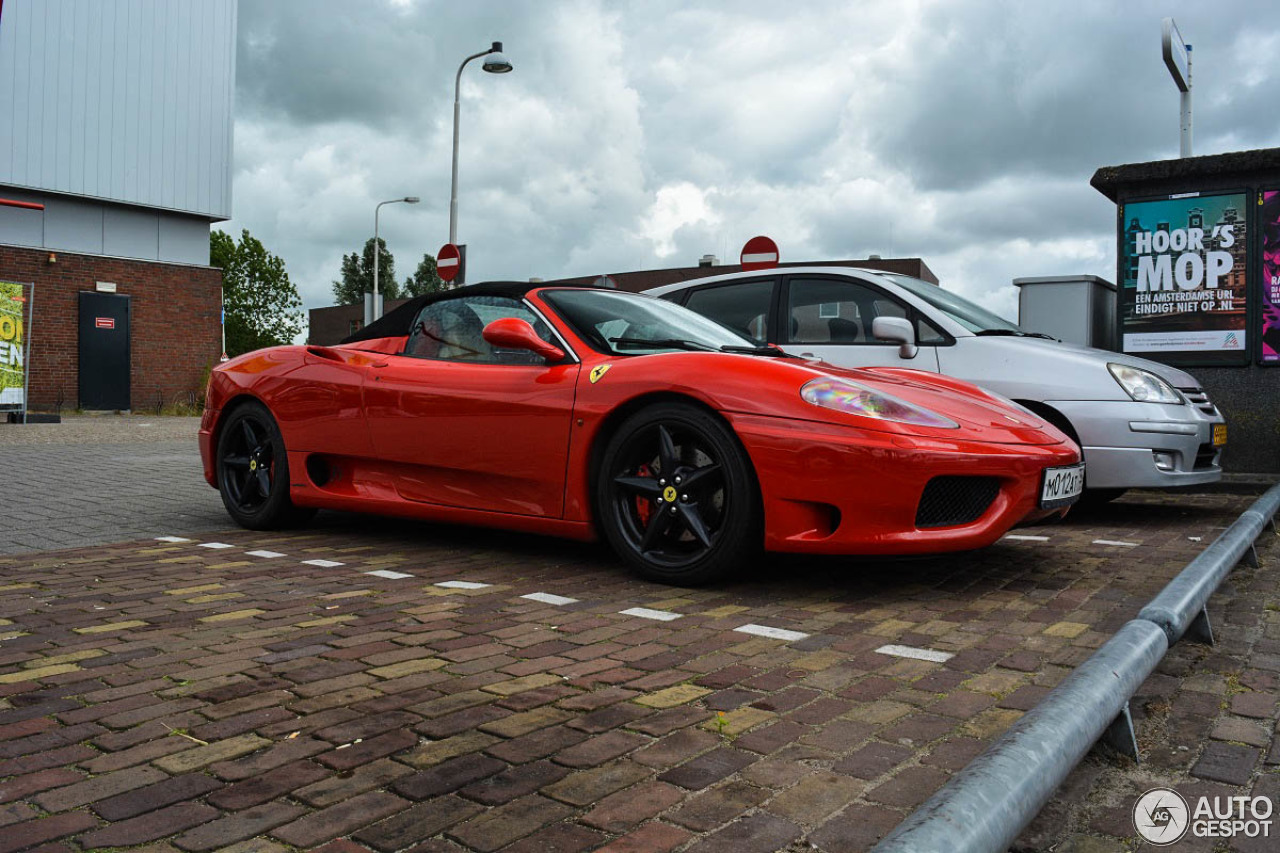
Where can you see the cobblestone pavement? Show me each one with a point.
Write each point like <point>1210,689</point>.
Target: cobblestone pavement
<point>377,685</point>
<point>97,479</point>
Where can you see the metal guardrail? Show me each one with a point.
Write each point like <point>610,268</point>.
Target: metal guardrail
<point>983,807</point>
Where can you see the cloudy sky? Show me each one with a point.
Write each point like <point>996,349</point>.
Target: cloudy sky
<point>638,135</point>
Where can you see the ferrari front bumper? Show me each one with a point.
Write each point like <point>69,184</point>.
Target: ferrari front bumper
<point>829,489</point>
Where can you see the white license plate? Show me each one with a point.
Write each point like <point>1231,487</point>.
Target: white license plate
<point>1061,486</point>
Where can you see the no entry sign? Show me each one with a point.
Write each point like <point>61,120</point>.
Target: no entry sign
<point>759,253</point>
<point>447,262</point>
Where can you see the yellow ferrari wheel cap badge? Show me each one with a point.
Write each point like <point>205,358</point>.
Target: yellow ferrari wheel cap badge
<point>669,494</point>
<point>598,372</point>
<point>253,464</point>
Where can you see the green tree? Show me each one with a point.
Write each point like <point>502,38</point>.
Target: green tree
<point>357,275</point>
<point>263,307</point>
<point>426,279</point>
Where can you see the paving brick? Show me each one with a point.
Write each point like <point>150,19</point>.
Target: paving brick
<point>435,752</point>
<point>279,754</point>
<point>620,812</point>
<point>155,796</point>
<point>340,819</point>
<point>676,747</point>
<point>514,783</point>
<point>362,753</point>
<point>585,787</point>
<point>504,824</point>
<point>28,834</point>
<point>758,833</point>
<point>421,821</point>
<point>558,838</point>
<point>717,806</point>
<point>203,756</point>
<point>537,745</point>
<point>150,826</point>
<point>98,788</point>
<point>599,749</point>
<point>816,798</point>
<point>909,788</point>
<point>367,777</point>
<point>23,787</point>
<point>268,786</point>
<point>449,776</point>
<point>1225,762</point>
<point>651,838</point>
<point>708,768</point>
<point>224,832</point>
<point>516,725</point>
<point>857,828</point>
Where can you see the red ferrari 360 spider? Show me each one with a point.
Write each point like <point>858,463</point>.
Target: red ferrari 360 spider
<point>584,412</point>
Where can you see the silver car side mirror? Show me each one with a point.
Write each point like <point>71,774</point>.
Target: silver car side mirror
<point>899,330</point>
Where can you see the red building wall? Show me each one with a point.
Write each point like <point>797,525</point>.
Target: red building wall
<point>175,324</point>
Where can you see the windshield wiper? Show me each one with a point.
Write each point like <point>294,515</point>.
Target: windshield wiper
<point>764,350</point>
<point>1017,333</point>
<point>663,343</point>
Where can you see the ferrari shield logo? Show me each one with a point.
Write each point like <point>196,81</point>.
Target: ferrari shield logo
<point>598,372</point>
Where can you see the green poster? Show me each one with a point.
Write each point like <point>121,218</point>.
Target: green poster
<point>13,374</point>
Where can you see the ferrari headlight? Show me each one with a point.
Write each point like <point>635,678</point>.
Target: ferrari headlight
<point>1143,385</point>
<point>853,398</point>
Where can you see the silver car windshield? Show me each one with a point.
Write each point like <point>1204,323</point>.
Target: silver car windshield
<point>629,324</point>
<point>973,317</point>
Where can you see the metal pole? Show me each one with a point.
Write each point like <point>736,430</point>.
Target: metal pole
<point>453,184</point>
<point>26,355</point>
<point>376,211</point>
<point>1186,111</point>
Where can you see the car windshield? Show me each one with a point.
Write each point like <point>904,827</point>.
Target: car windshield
<point>973,317</point>
<point>630,324</point>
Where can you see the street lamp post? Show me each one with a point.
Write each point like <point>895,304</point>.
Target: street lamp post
<point>377,303</point>
<point>494,63</point>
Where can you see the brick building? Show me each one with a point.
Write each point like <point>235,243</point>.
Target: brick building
<point>115,158</point>
<point>333,323</point>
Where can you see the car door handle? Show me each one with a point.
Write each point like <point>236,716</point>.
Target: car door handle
<point>378,364</point>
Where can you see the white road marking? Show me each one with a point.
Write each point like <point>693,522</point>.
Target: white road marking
<point>324,564</point>
<point>171,539</point>
<point>215,545</point>
<point>462,585</point>
<point>388,574</point>
<point>1116,542</point>
<point>915,654</point>
<point>771,633</point>
<point>1022,537</point>
<point>548,598</point>
<point>266,555</point>
<point>646,613</point>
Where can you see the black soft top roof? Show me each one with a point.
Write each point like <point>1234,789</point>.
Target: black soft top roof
<point>400,321</point>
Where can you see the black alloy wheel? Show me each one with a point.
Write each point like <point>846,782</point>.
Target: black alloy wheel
<point>253,470</point>
<point>676,497</point>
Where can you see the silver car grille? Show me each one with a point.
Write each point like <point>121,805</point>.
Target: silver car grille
<point>1198,398</point>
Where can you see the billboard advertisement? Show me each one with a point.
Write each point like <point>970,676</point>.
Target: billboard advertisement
<point>1269,214</point>
<point>13,345</point>
<point>1185,288</point>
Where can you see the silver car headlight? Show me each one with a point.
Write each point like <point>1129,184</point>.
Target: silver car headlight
<point>1143,385</point>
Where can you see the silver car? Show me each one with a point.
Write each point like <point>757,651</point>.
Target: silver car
<point>1139,423</point>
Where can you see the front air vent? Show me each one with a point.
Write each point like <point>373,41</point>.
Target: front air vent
<point>950,501</point>
<point>1198,398</point>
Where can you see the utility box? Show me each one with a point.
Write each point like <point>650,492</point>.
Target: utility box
<point>1078,309</point>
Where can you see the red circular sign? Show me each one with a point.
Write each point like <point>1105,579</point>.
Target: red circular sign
<point>448,262</point>
<point>759,253</point>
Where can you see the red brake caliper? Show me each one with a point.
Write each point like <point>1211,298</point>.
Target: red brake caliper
<point>644,507</point>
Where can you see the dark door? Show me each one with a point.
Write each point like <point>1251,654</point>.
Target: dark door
<point>104,351</point>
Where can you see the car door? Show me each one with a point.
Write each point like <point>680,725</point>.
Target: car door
<point>830,317</point>
<point>468,425</point>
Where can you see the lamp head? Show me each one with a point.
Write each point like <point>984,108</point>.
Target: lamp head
<point>412,199</point>
<point>495,62</point>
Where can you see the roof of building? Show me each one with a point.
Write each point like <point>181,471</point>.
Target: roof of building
<point>1111,180</point>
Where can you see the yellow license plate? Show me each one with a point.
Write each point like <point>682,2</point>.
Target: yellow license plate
<point>1219,435</point>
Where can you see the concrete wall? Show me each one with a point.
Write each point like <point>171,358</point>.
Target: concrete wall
<point>129,100</point>
<point>176,333</point>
